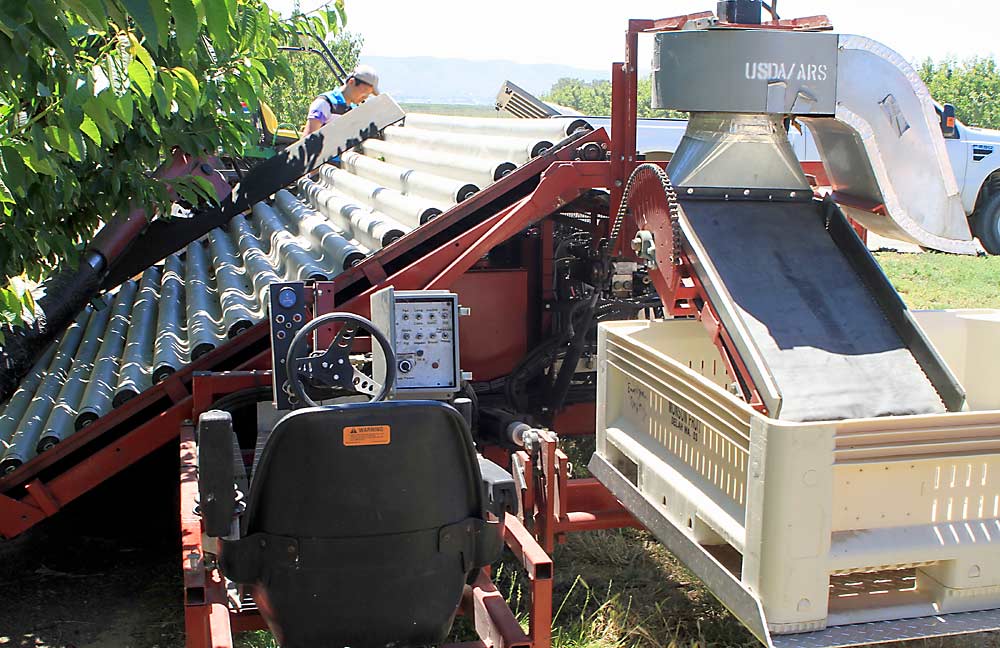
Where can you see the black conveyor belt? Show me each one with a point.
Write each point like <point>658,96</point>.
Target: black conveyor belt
<point>820,332</point>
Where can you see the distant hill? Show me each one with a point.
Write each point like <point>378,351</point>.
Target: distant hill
<point>425,79</point>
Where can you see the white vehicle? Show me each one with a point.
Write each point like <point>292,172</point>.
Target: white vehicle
<point>975,159</point>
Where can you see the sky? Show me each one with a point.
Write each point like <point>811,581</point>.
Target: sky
<point>590,33</point>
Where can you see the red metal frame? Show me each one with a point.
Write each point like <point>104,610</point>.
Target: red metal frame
<point>553,505</point>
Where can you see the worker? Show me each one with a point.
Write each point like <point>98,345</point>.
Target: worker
<point>361,84</point>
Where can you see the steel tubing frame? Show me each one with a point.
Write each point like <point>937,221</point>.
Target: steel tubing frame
<point>480,171</point>
<point>201,303</point>
<point>23,397</point>
<point>101,383</point>
<point>298,265</point>
<point>342,252</point>
<point>135,373</point>
<point>553,505</point>
<point>23,444</point>
<point>409,182</point>
<point>372,229</point>
<point>256,262</point>
<point>170,348</point>
<point>240,307</point>
<point>543,129</point>
<point>513,149</point>
<point>61,419</point>
<point>411,211</point>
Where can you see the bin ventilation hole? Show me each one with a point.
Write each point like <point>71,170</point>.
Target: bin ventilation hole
<point>690,523</point>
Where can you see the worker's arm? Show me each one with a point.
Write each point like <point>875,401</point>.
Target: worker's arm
<point>312,125</point>
<point>318,115</point>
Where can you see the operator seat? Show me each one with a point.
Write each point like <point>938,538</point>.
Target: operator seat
<point>273,133</point>
<point>363,523</point>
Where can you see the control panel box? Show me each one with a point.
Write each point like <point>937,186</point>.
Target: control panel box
<point>422,326</point>
<point>287,312</point>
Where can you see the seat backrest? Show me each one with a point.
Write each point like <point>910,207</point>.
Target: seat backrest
<point>269,120</point>
<point>369,468</point>
<point>371,500</point>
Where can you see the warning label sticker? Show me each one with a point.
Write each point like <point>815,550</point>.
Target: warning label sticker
<point>366,435</point>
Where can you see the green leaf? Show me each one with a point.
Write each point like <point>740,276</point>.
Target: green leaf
<point>187,88</point>
<point>217,16</point>
<point>169,86</point>
<point>62,140</point>
<point>141,53</point>
<point>339,6</point>
<point>140,78</point>
<point>29,300</point>
<point>186,23</point>
<point>162,102</point>
<point>185,76</point>
<point>231,7</point>
<point>248,28</point>
<point>48,20</point>
<point>143,13</point>
<point>121,107</point>
<point>97,111</point>
<point>90,129</point>
<point>5,195</point>
<point>185,193</point>
<point>33,160</point>
<point>206,189</point>
<point>162,18</point>
<point>15,171</point>
<point>10,307</point>
<point>12,16</point>
<point>93,12</point>
<point>332,21</point>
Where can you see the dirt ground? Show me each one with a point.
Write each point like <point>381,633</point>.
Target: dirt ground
<point>104,573</point>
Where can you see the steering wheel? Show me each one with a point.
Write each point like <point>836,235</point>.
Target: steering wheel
<point>333,368</point>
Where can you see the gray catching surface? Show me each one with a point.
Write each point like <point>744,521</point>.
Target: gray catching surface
<point>830,349</point>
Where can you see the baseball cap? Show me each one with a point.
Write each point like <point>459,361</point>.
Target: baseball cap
<point>367,74</point>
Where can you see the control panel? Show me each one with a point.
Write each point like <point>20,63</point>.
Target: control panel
<point>287,312</point>
<point>422,326</point>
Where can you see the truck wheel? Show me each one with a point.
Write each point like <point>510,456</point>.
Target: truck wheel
<point>986,223</point>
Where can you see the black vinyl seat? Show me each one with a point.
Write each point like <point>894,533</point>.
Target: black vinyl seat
<point>363,524</point>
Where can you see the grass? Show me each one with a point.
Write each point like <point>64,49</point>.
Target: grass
<point>622,589</point>
<point>933,280</point>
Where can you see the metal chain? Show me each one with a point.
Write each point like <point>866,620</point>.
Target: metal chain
<point>674,206</point>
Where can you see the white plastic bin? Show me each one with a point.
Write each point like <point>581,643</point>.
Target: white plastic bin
<point>802,527</point>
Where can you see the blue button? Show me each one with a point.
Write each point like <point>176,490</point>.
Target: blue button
<point>287,297</point>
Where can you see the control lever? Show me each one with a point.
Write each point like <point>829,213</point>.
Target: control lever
<point>464,407</point>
